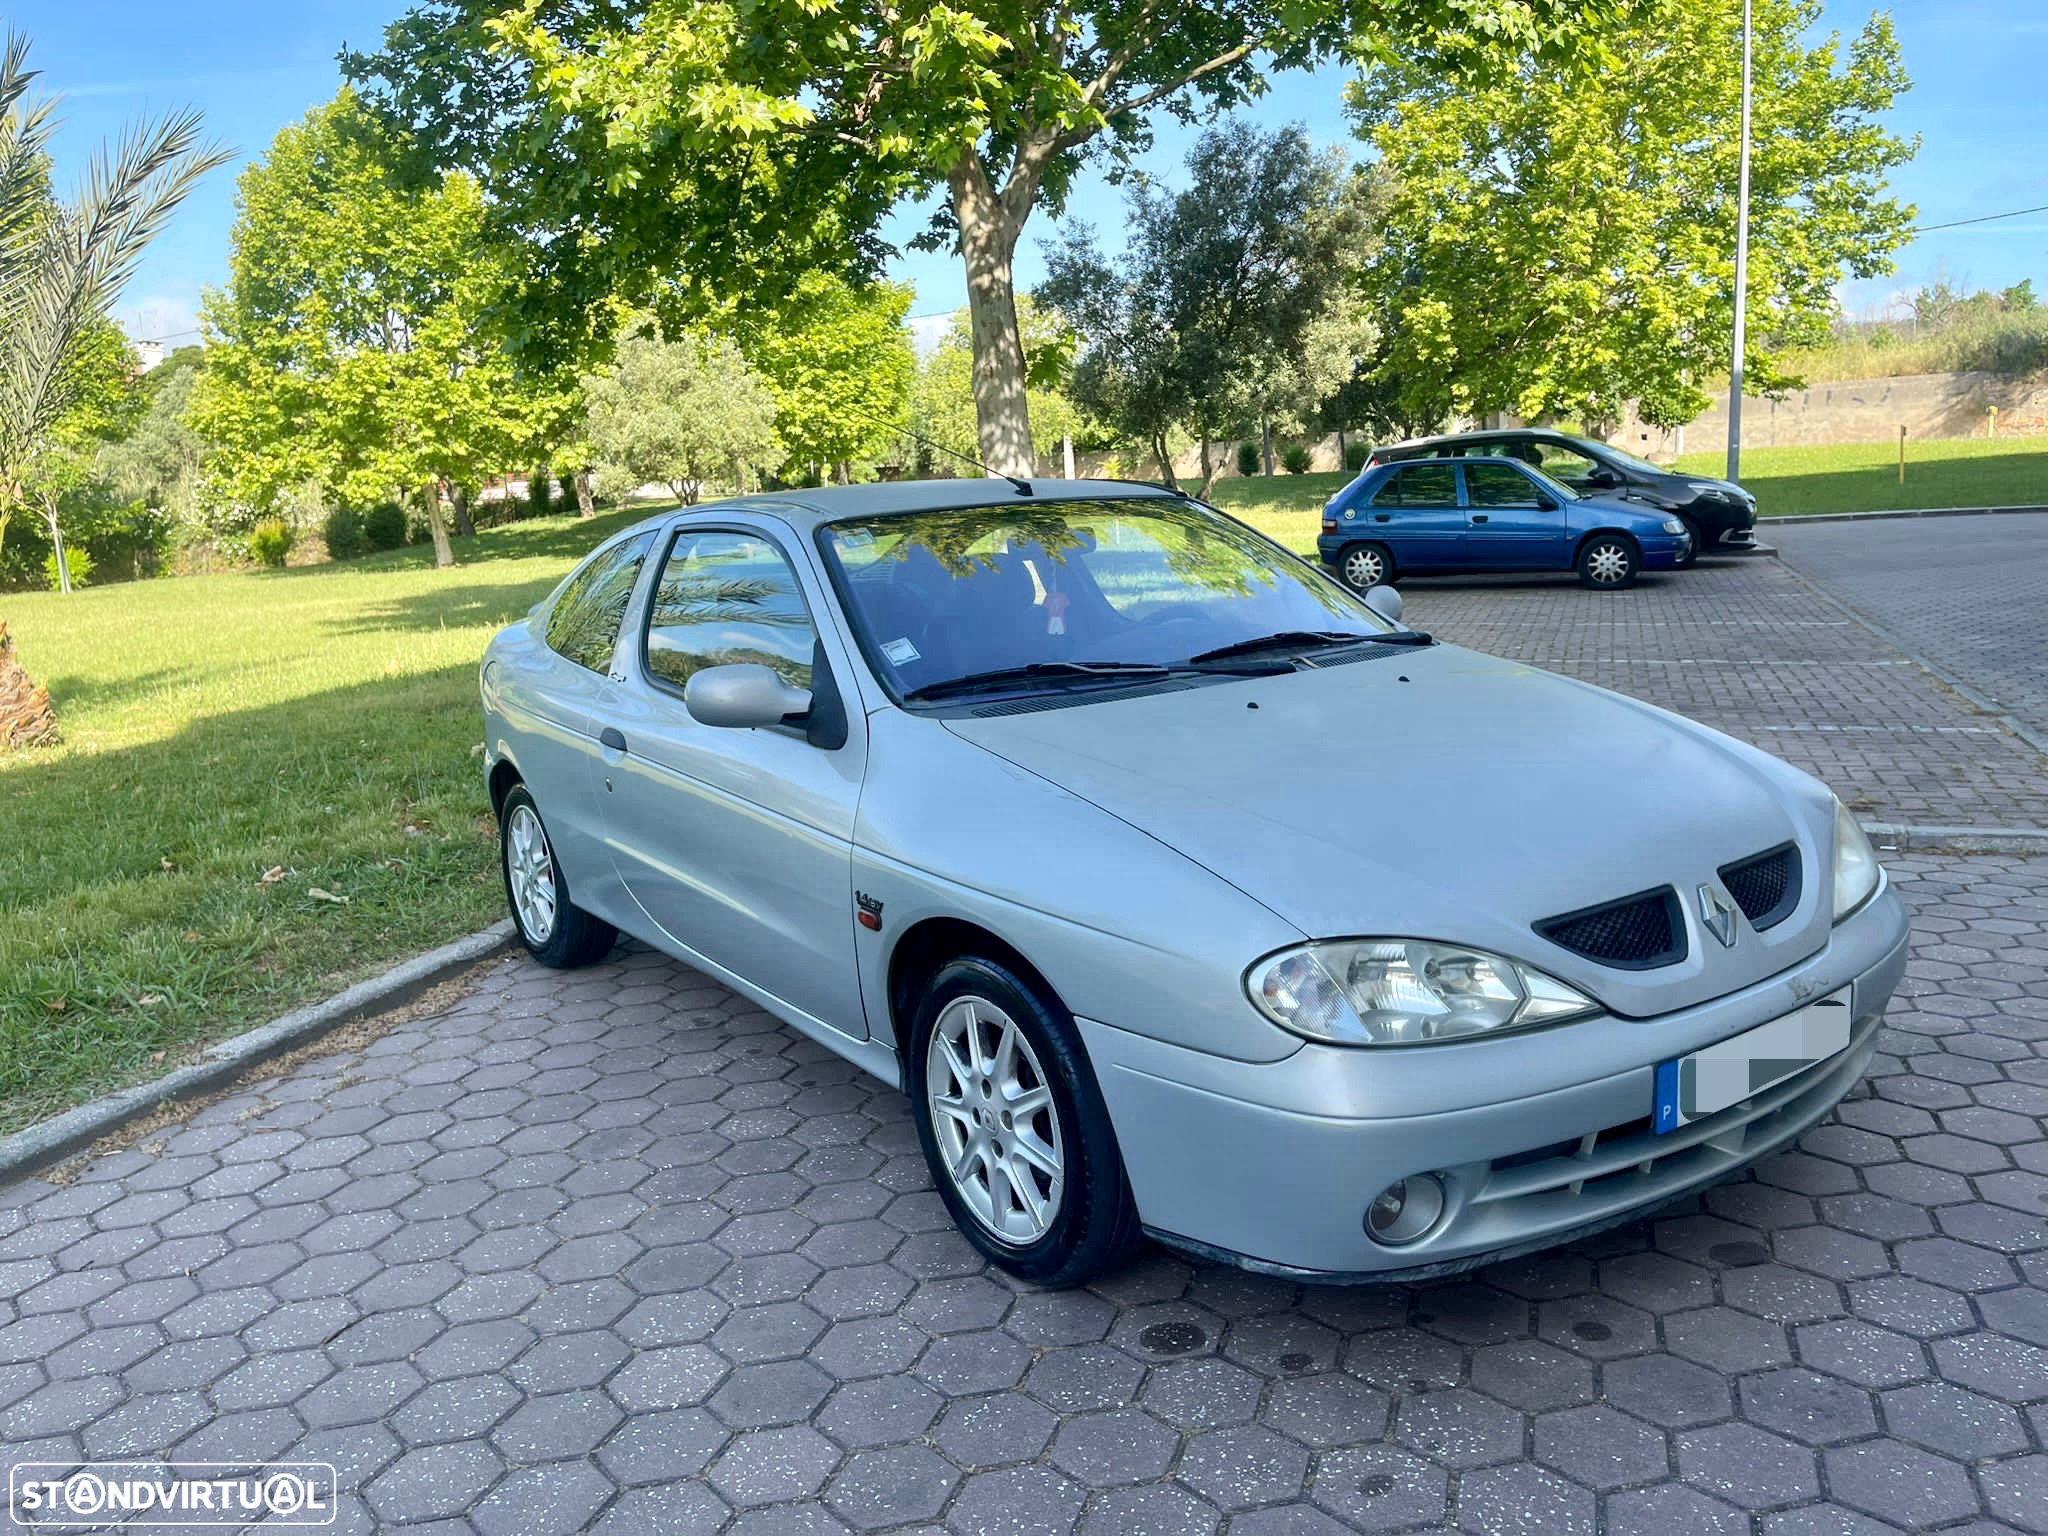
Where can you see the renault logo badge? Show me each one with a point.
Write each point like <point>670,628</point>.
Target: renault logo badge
<point>1718,913</point>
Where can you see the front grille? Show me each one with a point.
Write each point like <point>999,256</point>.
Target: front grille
<point>1637,933</point>
<point>1766,887</point>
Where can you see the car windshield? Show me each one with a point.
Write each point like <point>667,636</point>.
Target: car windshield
<point>1629,460</point>
<point>1065,594</point>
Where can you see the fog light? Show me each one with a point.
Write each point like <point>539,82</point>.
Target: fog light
<point>1405,1210</point>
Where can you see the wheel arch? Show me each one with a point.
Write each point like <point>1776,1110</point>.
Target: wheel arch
<point>1595,533</point>
<point>504,775</point>
<point>926,947</point>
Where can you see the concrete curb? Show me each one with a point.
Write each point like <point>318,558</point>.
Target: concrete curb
<point>1900,838</point>
<point>1868,517</point>
<point>50,1140</point>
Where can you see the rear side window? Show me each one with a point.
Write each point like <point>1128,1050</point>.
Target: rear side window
<point>1420,485</point>
<point>584,623</point>
<point>1495,485</point>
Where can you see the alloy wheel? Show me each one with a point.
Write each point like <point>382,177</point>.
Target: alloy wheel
<point>530,871</point>
<point>994,1119</point>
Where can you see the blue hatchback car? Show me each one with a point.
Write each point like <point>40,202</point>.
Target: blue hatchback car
<point>1431,516</point>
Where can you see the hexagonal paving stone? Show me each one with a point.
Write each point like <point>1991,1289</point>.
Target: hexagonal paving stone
<point>995,1431</point>
<point>768,1466</point>
<point>1813,1409</point>
<point>1122,1445</point>
<point>1240,1467</point>
<point>1378,1488</point>
<point>1746,1466</point>
<point>1900,1483</point>
<point>893,1486</point>
<point>1601,1448</point>
<point>1953,1422</point>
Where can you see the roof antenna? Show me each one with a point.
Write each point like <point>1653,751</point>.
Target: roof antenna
<point>1017,482</point>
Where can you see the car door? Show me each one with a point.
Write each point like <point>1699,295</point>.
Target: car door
<point>1512,524</point>
<point>550,689</point>
<point>1415,513</point>
<point>737,843</point>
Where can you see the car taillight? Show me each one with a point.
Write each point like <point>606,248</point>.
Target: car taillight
<point>1329,525</point>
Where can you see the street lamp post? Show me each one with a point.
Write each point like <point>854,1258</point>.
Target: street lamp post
<point>1741,268</point>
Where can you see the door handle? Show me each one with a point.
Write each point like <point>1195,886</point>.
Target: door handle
<point>1478,517</point>
<point>1381,517</point>
<point>611,736</point>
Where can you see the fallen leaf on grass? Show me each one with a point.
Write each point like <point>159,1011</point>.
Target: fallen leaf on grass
<point>270,877</point>
<point>149,999</point>
<point>317,894</point>
<point>190,936</point>
<point>156,1055</point>
<point>167,864</point>
<point>56,1005</point>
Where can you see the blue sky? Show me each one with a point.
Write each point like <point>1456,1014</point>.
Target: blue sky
<point>251,68</point>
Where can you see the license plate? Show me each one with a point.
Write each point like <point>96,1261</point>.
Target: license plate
<point>1709,1081</point>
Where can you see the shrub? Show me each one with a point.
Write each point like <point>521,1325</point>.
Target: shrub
<point>1355,455</point>
<point>1296,459</point>
<point>271,540</point>
<point>384,526</point>
<point>540,493</point>
<point>1247,458</point>
<point>343,531</point>
<point>76,559</point>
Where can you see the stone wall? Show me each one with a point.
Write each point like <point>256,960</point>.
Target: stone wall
<point>1861,411</point>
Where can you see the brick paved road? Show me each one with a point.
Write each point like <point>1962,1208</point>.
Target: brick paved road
<point>1968,593</point>
<point>1741,644</point>
<point>613,1249</point>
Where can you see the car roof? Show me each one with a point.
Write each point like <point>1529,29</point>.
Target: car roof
<point>1491,435</point>
<point>807,508</point>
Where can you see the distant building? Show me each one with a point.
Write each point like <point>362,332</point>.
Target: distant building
<point>147,355</point>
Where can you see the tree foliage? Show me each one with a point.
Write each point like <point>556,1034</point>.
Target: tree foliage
<point>1232,304</point>
<point>1562,244</point>
<point>683,413</point>
<point>838,361</point>
<point>347,348</point>
<point>675,152</point>
<point>61,266</point>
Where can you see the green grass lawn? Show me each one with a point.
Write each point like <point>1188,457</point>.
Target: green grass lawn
<point>1864,477</point>
<point>317,720</point>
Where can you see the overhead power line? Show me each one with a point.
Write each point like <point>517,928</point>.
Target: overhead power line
<point>1987,218</point>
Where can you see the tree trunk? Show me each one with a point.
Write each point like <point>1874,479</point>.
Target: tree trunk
<point>459,495</point>
<point>1165,458</point>
<point>57,547</point>
<point>437,524</point>
<point>1266,445</point>
<point>988,244</point>
<point>26,716</point>
<point>1211,468</point>
<point>1343,452</point>
<point>586,505</point>
<point>1067,455</point>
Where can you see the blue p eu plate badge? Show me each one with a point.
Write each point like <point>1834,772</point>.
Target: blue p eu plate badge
<point>1720,1075</point>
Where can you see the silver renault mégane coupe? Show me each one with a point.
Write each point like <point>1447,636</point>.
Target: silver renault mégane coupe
<point>1182,890</point>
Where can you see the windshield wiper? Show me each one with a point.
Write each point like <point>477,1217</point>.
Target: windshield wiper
<point>1078,671</point>
<point>1291,639</point>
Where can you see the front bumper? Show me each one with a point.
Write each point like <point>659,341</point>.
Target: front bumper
<point>1273,1165</point>
<point>1666,552</point>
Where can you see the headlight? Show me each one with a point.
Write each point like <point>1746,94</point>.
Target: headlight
<point>1405,992</point>
<point>1856,867</point>
<point>1673,525</point>
<point>1705,487</point>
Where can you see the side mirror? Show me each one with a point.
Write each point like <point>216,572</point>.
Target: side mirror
<point>1603,479</point>
<point>1385,602</point>
<point>1546,503</point>
<point>742,694</point>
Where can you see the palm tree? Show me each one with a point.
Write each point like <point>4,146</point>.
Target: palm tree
<point>61,267</point>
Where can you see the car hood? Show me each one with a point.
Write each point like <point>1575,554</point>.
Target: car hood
<point>1448,795</point>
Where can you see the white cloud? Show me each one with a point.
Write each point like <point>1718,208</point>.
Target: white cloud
<point>927,331</point>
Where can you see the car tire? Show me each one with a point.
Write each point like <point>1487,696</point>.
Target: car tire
<point>555,931</point>
<point>1609,561</point>
<point>1699,542</point>
<point>1361,567</point>
<point>983,1038</point>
